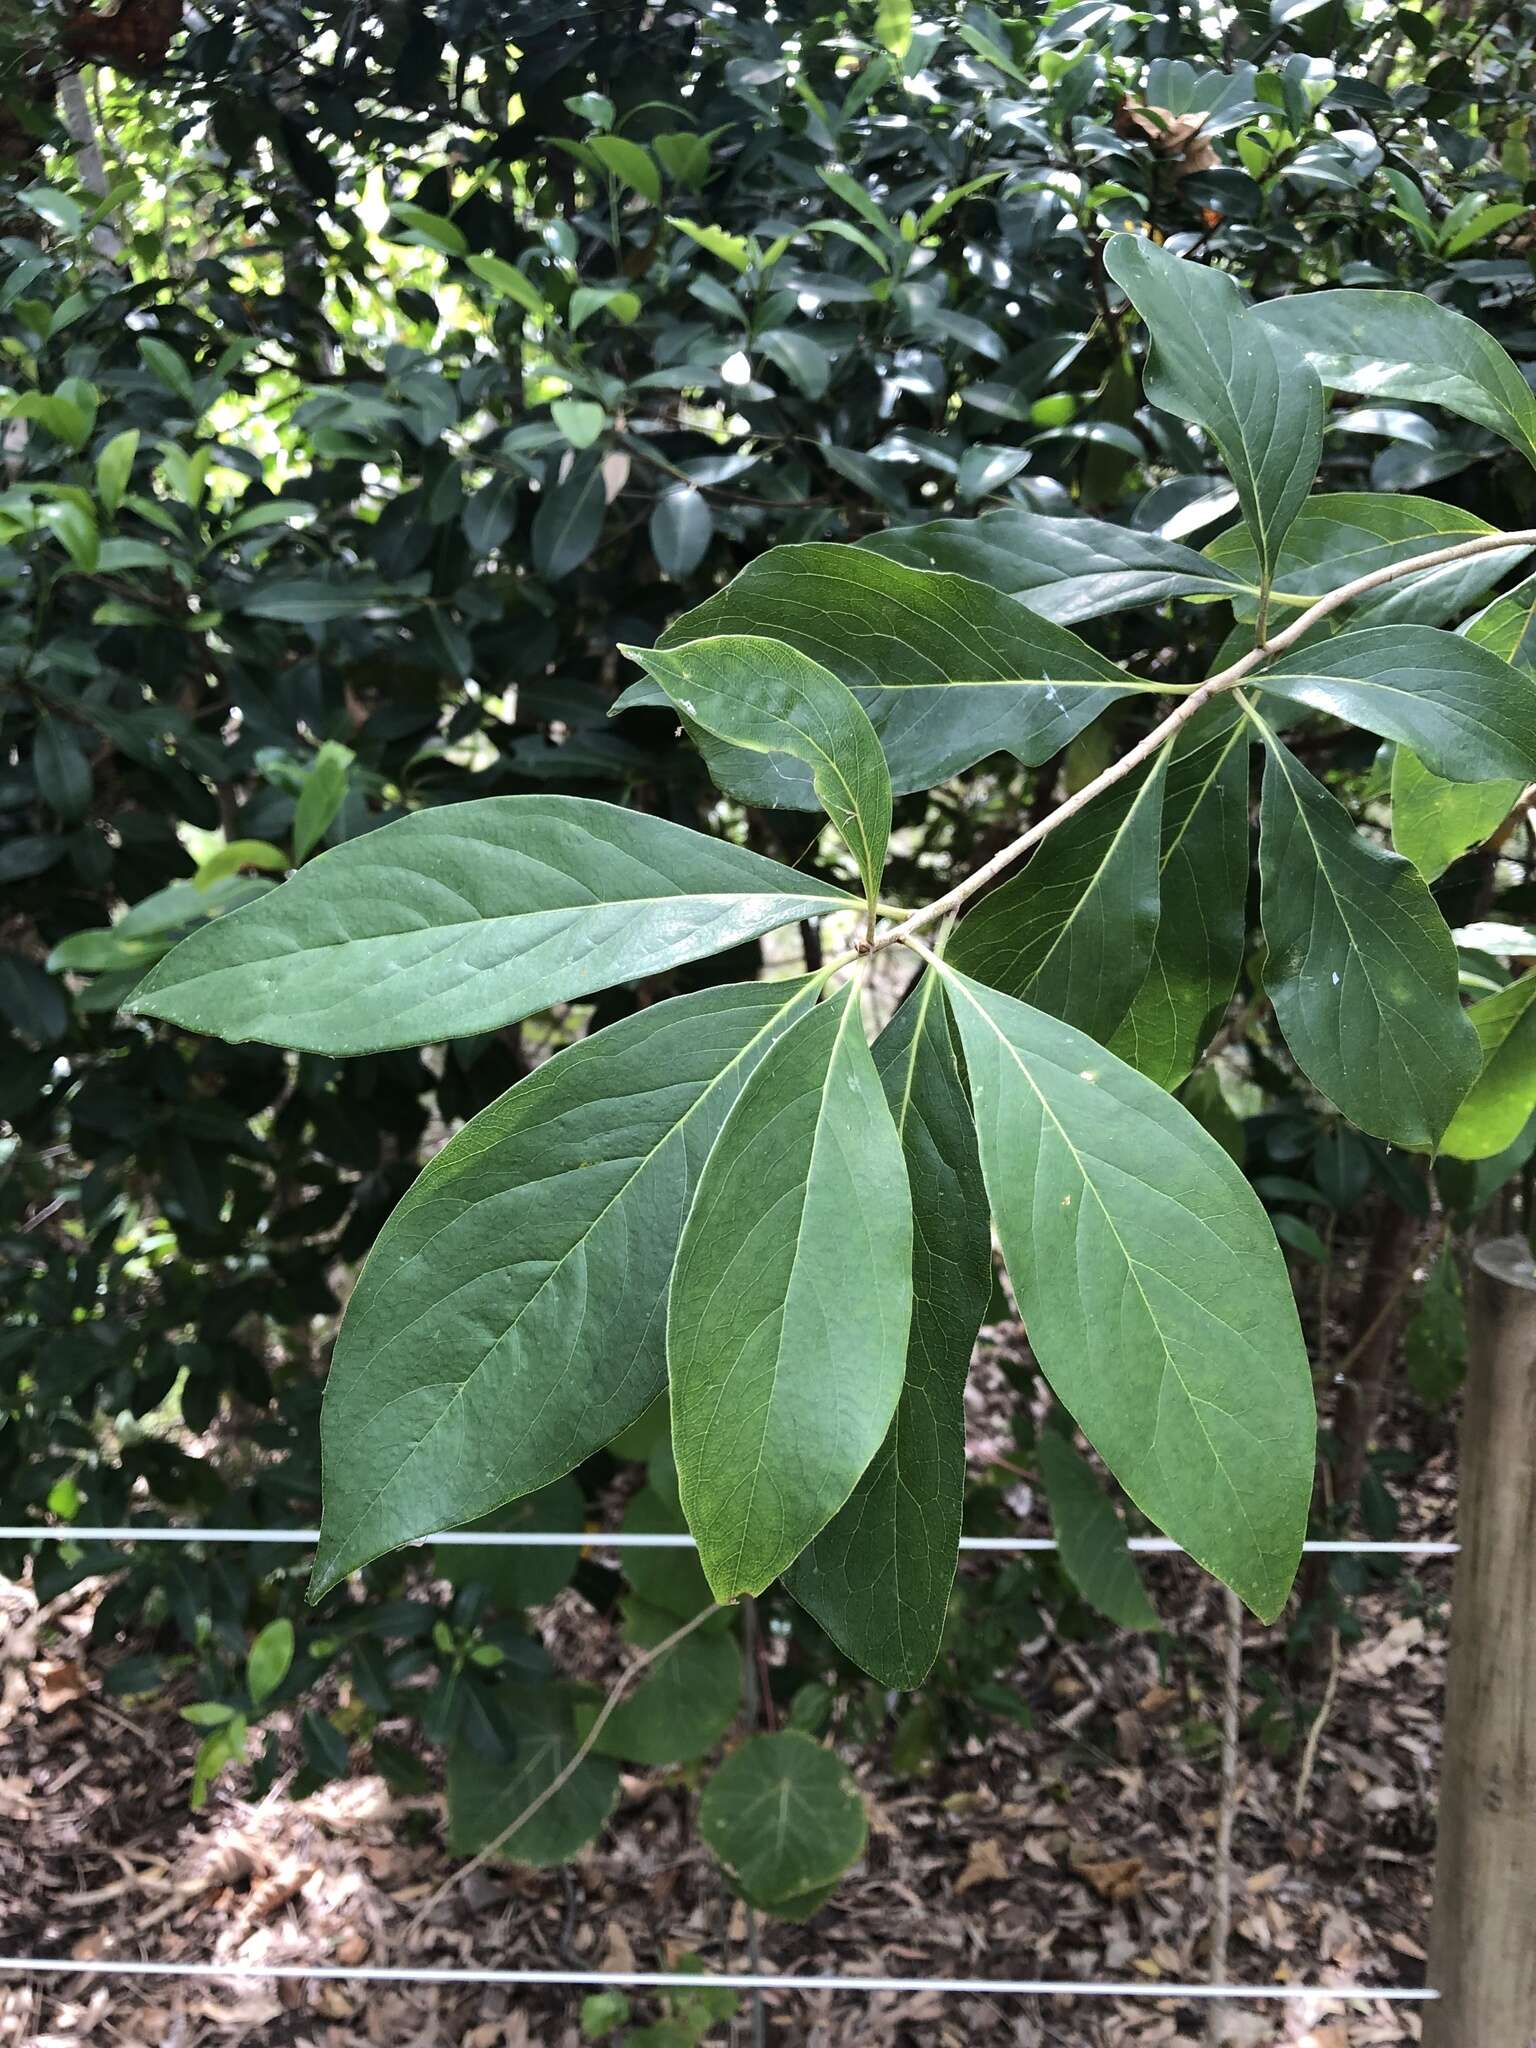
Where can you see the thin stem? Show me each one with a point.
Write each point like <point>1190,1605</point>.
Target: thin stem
<point>1197,699</point>
<point>1226,1812</point>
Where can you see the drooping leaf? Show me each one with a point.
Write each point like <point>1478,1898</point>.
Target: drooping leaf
<point>510,1319</point>
<point>791,1302</point>
<point>785,1818</point>
<point>1073,931</point>
<point>878,1576</point>
<point>1214,362</point>
<point>948,670</point>
<point>1502,1099</point>
<point>569,521</point>
<point>1344,535</point>
<point>465,918</point>
<point>1468,715</point>
<point>485,1795</point>
<point>1090,1541</point>
<point>1152,1290</point>
<point>764,697</point>
<point>1064,569</point>
<point>1202,923</point>
<point>1360,966</point>
<point>1434,822</point>
<point>1406,345</point>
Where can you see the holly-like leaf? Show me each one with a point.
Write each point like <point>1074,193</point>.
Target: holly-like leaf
<point>1408,346</point>
<point>1090,1541</point>
<point>765,697</point>
<point>463,919</point>
<point>1072,933</point>
<point>1202,923</point>
<point>878,1576</point>
<point>1434,822</point>
<point>1502,1099</point>
<point>1468,715</point>
<point>1064,569</point>
<point>785,1818</point>
<point>1360,966</point>
<point>1215,362</point>
<point>791,1302</point>
<point>1154,1295</point>
<point>947,669</point>
<point>510,1319</point>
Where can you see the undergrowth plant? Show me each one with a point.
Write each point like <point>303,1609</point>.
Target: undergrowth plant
<point>734,1199</point>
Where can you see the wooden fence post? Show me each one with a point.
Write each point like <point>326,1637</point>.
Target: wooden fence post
<point>1482,1949</point>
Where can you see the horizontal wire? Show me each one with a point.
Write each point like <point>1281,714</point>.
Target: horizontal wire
<point>683,1980</point>
<point>600,1539</point>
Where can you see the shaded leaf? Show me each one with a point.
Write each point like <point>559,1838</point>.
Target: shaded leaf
<point>784,1817</point>
<point>1089,1538</point>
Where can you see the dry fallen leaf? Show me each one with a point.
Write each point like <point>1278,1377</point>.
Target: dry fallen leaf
<point>59,1683</point>
<point>984,1865</point>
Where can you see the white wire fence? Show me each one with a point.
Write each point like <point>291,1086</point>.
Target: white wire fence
<point>1318,1995</point>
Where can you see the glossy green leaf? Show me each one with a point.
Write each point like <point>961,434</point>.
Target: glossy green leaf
<point>1073,931</point>
<point>1434,822</point>
<point>681,528</point>
<point>462,919</point>
<point>1508,627</point>
<point>1090,1540</point>
<point>1063,569</point>
<point>1215,362</point>
<point>1345,535</point>
<point>791,1302</point>
<point>1152,1290</point>
<point>509,1321</point>
<point>683,1704</point>
<point>62,768</point>
<point>785,1818</point>
<point>766,698</point>
<point>878,1576</point>
<point>1406,345</point>
<point>569,521</point>
<point>948,670</point>
<point>323,794</point>
<point>1502,1099</point>
<point>629,163</point>
<point>1468,715</point>
<point>268,1660</point>
<point>114,466</point>
<point>1197,952</point>
<point>1360,966</point>
<point>486,1795</point>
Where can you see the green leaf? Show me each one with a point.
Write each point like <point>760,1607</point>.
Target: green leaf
<point>1435,1342</point>
<point>506,279</point>
<point>1502,1099</point>
<point>1152,1290</point>
<point>629,163</point>
<point>1434,822</point>
<point>893,26</point>
<point>681,529</point>
<point>1063,569</point>
<point>167,367</point>
<point>1468,715</point>
<point>1360,968</point>
<point>785,1818</point>
<point>513,1575</point>
<point>269,1659</point>
<point>1216,363</point>
<point>684,1703</point>
<point>948,670</point>
<point>804,362</point>
<point>425,230</point>
<point>1072,933</point>
<point>235,854</point>
<point>540,1353</point>
<point>1406,345</point>
<point>1202,926</point>
<point>485,1795</point>
<point>878,1576</point>
<point>791,1302</point>
<point>1090,1540</point>
<point>62,768</point>
<point>739,251</point>
<point>322,796</point>
<point>579,420</point>
<point>465,918</point>
<point>569,521</point>
<point>114,466</point>
<point>76,531</point>
<point>1508,627</point>
<point>1349,534</point>
<point>765,697</point>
